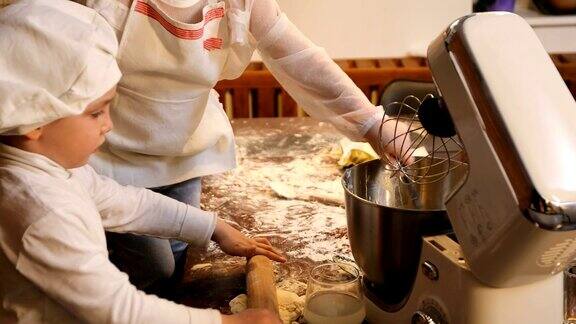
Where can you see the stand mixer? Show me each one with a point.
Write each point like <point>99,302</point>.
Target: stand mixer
<point>509,194</point>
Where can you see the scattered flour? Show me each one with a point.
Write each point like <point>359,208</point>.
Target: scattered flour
<point>310,221</point>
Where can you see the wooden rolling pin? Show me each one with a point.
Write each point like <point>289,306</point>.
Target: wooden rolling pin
<point>260,285</point>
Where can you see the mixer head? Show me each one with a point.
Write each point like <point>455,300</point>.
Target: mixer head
<point>424,136</point>
<point>515,214</point>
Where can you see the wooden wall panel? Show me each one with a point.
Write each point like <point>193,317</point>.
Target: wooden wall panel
<point>372,76</point>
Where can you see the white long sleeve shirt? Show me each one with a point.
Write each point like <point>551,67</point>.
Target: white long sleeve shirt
<point>54,265</point>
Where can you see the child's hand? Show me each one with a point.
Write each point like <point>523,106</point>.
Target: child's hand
<point>252,316</point>
<point>232,242</point>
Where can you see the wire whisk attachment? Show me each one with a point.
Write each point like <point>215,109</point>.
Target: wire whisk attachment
<point>423,138</point>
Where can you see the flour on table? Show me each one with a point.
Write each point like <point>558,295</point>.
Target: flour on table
<point>309,223</point>
<point>328,192</point>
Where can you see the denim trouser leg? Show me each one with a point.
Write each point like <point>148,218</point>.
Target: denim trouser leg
<point>148,259</point>
<point>145,259</point>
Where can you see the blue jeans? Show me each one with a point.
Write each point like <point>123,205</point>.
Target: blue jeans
<point>147,259</point>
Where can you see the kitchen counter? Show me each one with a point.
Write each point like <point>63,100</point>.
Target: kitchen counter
<point>296,153</point>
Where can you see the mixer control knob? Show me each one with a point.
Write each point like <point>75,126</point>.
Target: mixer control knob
<point>430,271</point>
<point>430,312</point>
<point>421,318</point>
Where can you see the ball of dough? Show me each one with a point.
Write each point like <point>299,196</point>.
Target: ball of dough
<point>238,304</point>
<point>290,305</point>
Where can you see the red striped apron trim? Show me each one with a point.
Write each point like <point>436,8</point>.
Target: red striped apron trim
<point>213,43</point>
<point>189,34</point>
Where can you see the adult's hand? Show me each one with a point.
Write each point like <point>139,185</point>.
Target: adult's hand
<point>393,142</point>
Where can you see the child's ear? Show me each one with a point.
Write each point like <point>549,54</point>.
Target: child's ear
<point>34,135</point>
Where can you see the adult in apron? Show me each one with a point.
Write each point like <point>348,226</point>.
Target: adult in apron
<point>170,128</point>
<point>169,124</point>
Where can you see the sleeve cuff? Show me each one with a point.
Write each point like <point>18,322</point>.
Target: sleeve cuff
<point>198,226</point>
<point>373,120</point>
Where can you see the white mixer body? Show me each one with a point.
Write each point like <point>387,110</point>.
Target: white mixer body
<point>455,296</point>
<point>514,215</point>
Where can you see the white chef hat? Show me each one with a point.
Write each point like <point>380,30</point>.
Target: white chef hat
<point>56,57</point>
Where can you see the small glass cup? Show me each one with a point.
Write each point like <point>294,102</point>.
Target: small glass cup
<point>334,295</point>
<point>570,295</point>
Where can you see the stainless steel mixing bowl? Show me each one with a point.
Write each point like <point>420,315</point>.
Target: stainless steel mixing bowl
<point>387,218</point>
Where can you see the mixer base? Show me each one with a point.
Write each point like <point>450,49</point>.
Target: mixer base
<point>452,295</point>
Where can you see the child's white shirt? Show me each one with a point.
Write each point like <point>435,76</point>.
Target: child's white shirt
<point>54,265</point>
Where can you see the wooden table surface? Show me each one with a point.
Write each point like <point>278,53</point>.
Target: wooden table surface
<point>299,151</point>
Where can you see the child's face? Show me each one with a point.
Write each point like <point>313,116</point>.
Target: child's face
<point>70,141</point>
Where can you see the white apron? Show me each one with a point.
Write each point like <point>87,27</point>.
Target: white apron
<point>169,125</point>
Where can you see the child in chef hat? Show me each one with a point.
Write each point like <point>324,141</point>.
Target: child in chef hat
<point>57,78</point>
